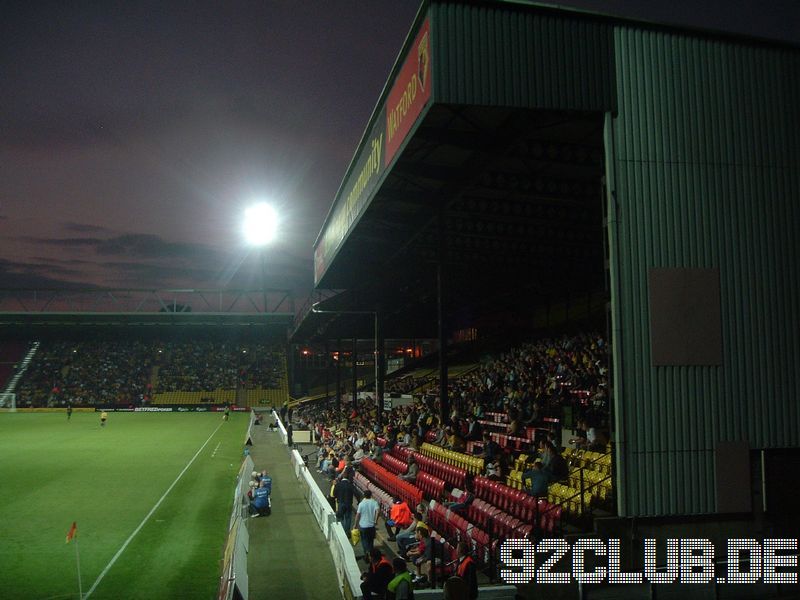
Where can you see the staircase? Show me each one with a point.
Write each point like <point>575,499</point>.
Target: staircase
<point>21,368</point>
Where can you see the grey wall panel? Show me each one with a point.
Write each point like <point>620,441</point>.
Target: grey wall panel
<point>522,57</point>
<point>704,160</point>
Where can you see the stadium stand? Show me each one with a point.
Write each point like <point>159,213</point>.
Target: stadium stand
<point>137,372</point>
<point>527,390</point>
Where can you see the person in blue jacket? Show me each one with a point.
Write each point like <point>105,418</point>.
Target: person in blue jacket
<point>261,504</point>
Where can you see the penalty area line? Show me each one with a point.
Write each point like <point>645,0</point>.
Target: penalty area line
<point>150,514</point>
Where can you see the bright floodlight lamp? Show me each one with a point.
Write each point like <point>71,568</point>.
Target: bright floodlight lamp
<point>260,224</point>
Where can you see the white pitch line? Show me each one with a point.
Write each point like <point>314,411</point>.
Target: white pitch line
<point>150,514</point>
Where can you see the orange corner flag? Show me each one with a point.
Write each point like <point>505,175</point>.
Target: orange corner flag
<point>72,531</point>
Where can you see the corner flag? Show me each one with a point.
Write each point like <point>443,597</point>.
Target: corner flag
<point>72,531</point>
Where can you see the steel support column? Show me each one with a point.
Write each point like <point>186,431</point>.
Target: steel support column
<point>379,368</point>
<point>339,374</point>
<point>444,405</point>
<point>355,373</point>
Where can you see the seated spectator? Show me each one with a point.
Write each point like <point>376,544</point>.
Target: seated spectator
<point>327,466</point>
<point>341,464</point>
<point>376,453</point>
<point>407,537</point>
<point>449,437</point>
<point>465,499</point>
<point>493,471</point>
<point>400,517</point>
<point>441,437</point>
<point>458,443</point>
<point>580,433</point>
<point>421,555</point>
<point>514,424</point>
<point>491,450</point>
<point>536,480</point>
<point>556,465</point>
<point>400,587</point>
<point>474,429</point>
<point>422,510</point>
<point>374,581</point>
<point>404,438</point>
<point>359,455</point>
<point>261,504</point>
<point>413,470</point>
<point>600,442</point>
<point>322,454</point>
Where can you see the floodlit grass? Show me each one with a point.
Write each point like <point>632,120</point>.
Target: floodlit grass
<point>54,472</point>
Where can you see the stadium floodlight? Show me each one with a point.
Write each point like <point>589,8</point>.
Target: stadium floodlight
<point>260,224</point>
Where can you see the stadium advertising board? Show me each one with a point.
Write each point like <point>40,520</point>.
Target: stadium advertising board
<point>45,410</point>
<point>410,92</point>
<point>183,408</point>
<point>392,122</point>
<point>352,198</point>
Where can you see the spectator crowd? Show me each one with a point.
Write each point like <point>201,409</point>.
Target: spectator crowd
<point>532,386</point>
<point>93,372</point>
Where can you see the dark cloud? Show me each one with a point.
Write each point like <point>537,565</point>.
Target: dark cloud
<point>65,242</point>
<point>147,245</point>
<point>18,275</point>
<point>136,245</point>
<point>152,272</point>
<point>144,260</point>
<point>59,261</point>
<point>84,228</point>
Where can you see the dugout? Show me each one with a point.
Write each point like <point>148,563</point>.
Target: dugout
<point>523,157</point>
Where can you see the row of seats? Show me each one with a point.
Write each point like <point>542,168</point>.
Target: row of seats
<point>596,461</point>
<point>501,524</point>
<point>598,484</point>
<point>403,452</point>
<point>517,503</point>
<point>391,482</point>
<point>394,464</point>
<point>455,476</point>
<point>511,442</point>
<point>428,479</point>
<point>457,527</point>
<point>384,499</point>
<point>514,442</point>
<point>570,498</point>
<point>446,551</point>
<point>471,464</point>
<point>431,486</point>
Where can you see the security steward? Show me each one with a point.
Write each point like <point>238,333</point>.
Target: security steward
<point>374,581</point>
<point>466,570</point>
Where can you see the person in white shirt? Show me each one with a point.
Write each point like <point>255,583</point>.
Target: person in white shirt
<point>358,456</point>
<point>366,518</point>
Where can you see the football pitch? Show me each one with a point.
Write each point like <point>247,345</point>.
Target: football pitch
<point>154,490</point>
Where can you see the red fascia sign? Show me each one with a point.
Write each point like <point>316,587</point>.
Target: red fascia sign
<point>410,92</point>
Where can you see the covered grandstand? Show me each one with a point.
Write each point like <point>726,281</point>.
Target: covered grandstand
<point>529,170</point>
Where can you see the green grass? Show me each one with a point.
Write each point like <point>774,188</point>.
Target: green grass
<point>54,472</point>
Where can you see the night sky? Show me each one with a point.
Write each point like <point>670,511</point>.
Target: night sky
<point>132,136</point>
